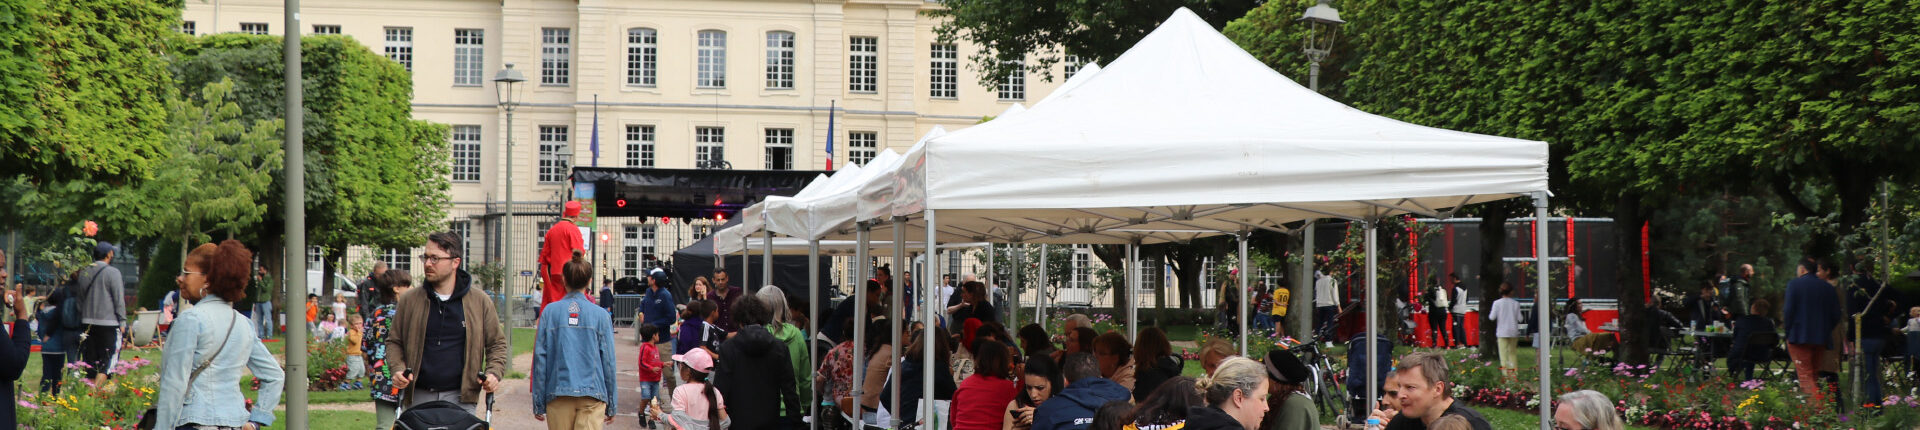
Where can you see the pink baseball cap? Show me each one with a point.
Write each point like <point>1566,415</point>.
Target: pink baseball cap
<point>698,359</point>
<point>572,210</point>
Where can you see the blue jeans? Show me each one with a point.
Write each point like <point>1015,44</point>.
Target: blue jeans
<point>263,318</point>
<point>1870,354</point>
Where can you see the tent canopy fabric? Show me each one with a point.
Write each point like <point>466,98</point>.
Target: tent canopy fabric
<point>1187,135</point>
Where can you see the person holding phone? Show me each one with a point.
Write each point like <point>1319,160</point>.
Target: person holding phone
<point>15,347</point>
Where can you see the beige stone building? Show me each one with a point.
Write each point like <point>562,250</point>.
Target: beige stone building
<point>678,83</point>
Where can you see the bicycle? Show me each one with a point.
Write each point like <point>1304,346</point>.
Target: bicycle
<point>1324,384</point>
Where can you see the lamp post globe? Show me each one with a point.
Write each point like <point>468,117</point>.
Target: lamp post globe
<point>1323,24</point>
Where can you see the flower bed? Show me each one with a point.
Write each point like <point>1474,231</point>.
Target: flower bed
<point>1684,398</point>
<point>115,405</point>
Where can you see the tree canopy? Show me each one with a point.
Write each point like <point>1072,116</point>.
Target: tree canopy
<point>86,85</point>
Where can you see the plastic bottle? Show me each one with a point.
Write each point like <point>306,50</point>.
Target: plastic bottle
<point>1373,424</point>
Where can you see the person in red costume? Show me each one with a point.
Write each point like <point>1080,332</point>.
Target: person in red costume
<point>562,239</point>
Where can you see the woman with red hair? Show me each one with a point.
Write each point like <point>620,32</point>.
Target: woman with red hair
<point>200,365</point>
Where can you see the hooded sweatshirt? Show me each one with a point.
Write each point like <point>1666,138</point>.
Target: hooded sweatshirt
<point>796,343</point>
<point>1073,408</point>
<point>1207,418</point>
<point>756,376</point>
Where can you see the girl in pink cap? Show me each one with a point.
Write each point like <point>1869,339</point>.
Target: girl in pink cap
<point>696,406</point>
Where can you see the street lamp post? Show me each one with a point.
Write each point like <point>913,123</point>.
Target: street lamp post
<point>1323,23</point>
<point>503,86</point>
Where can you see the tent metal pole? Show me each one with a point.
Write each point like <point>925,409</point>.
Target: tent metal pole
<point>1542,304</point>
<point>1242,281</point>
<point>1133,290</point>
<point>930,277</point>
<point>813,325</point>
<point>1019,256</point>
<point>1040,293</point>
<point>1303,322</point>
<point>860,320</point>
<point>1373,314</point>
<point>766,260</point>
<point>896,310</point>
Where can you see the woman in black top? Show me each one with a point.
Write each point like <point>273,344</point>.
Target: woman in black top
<point>1155,362</point>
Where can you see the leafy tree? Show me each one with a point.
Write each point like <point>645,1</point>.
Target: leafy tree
<point>1039,34</point>
<point>88,82</point>
<point>375,176</point>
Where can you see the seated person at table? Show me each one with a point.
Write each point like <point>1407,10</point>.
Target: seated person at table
<point>1576,324</point>
<point>1705,308</point>
<point>1657,323</point>
<point>1741,358</point>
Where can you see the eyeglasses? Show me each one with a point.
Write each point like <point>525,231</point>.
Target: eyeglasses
<point>434,259</point>
<point>184,273</point>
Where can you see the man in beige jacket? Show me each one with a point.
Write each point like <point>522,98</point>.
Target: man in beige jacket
<point>445,322</point>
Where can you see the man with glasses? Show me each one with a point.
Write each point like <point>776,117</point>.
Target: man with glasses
<point>449,324</point>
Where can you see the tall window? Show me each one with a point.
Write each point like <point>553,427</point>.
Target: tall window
<point>469,55</point>
<point>1015,87</point>
<point>554,154</point>
<point>400,46</point>
<point>637,247</point>
<point>713,59</point>
<point>466,153</point>
<point>326,29</point>
<point>863,64</point>
<point>253,27</point>
<point>1081,267</point>
<point>397,259</point>
<point>556,53</point>
<point>701,231</point>
<point>779,149</point>
<point>780,60</point>
<point>643,56</point>
<point>639,146</point>
<point>187,27</point>
<point>314,255</point>
<point>465,230</point>
<point>945,74</point>
<point>862,146</point>
<point>710,145</point>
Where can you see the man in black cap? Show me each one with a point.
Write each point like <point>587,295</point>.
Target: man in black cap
<point>103,307</point>
<point>1289,404</point>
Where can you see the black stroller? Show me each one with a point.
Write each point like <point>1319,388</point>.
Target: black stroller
<point>1356,382</point>
<point>441,414</point>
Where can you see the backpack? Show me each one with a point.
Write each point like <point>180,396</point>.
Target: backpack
<point>439,415</point>
<point>68,313</point>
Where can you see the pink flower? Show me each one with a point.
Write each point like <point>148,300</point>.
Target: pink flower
<point>28,405</point>
<point>91,229</point>
<point>1571,372</point>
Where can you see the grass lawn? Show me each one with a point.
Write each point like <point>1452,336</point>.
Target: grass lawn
<point>329,420</point>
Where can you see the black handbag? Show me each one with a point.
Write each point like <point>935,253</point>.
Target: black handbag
<point>153,413</point>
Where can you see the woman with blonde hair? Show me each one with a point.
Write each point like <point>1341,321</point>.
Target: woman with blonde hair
<point>1236,396</point>
<point>201,363</point>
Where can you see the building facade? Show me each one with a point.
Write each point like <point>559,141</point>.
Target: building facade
<point>676,84</point>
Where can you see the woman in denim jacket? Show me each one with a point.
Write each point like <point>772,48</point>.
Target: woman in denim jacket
<point>200,365</point>
<point>573,365</point>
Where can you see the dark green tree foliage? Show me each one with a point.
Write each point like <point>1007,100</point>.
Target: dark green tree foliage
<point>1043,32</point>
<point>158,278</point>
<point>91,105</point>
<point>1647,102</point>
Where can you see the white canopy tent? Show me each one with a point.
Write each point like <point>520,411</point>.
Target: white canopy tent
<point>1186,135</point>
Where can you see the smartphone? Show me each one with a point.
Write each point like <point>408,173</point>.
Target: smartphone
<point>1013,414</point>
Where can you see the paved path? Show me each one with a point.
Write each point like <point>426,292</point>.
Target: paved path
<point>513,406</point>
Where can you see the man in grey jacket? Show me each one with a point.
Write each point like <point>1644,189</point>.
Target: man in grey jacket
<point>103,307</point>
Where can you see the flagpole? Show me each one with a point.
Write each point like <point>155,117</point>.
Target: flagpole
<point>832,105</point>
<point>596,130</point>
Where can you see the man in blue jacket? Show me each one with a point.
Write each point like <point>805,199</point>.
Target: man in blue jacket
<point>1813,309</point>
<point>657,309</point>
<point>1086,391</point>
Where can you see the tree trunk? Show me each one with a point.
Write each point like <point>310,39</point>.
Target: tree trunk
<point>1115,257</point>
<point>1493,272</point>
<point>1627,219</point>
